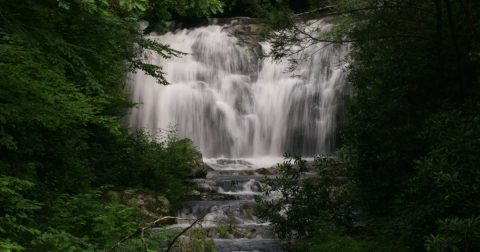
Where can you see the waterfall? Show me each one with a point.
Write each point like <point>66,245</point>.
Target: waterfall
<point>242,112</point>
<point>232,103</point>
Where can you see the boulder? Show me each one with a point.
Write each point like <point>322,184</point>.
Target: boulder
<point>199,169</point>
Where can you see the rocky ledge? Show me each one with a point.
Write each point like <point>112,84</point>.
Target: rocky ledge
<point>150,205</point>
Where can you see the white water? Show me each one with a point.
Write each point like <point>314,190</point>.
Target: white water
<point>249,188</point>
<point>233,104</point>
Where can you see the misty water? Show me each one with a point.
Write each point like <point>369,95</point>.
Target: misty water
<point>242,112</point>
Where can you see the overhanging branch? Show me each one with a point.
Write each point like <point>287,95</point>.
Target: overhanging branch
<point>361,9</point>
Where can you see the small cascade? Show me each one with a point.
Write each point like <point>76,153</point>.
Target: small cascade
<point>226,196</point>
<point>226,199</point>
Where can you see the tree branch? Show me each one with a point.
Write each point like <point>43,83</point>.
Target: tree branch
<point>375,8</point>
<point>376,38</point>
<point>143,240</point>
<point>183,231</point>
<point>295,27</point>
<point>314,10</point>
<point>142,230</point>
<point>124,239</point>
<point>139,230</point>
<point>195,222</point>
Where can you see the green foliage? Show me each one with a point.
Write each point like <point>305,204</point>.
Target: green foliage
<point>82,214</point>
<point>136,159</point>
<point>441,200</point>
<point>197,241</point>
<point>328,238</point>
<point>304,199</point>
<point>223,229</point>
<point>15,213</point>
<point>62,241</point>
<point>72,223</point>
<point>397,92</point>
<point>455,235</point>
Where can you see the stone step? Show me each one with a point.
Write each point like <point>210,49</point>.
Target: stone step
<point>241,210</point>
<point>247,185</point>
<point>218,197</point>
<point>252,245</point>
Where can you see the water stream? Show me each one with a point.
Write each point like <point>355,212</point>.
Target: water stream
<point>242,112</point>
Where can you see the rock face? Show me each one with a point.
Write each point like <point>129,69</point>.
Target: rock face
<point>150,205</point>
<point>199,169</point>
<point>243,27</point>
<point>246,31</point>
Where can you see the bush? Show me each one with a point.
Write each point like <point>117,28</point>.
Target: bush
<point>71,223</point>
<point>328,238</point>
<point>440,205</point>
<point>305,200</point>
<point>137,159</point>
<point>15,213</point>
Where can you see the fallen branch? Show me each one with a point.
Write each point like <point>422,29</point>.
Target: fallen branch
<point>195,222</point>
<point>124,239</point>
<point>183,231</point>
<point>217,221</point>
<point>141,230</point>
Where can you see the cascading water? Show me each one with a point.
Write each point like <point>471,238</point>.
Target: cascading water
<point>231,103</point>
<point>240,111</point>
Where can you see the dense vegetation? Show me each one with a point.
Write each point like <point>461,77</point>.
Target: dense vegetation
<point>411,143</point>
<point>63,68</point>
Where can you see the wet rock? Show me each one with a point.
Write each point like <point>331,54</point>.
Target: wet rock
<point>261,171</point>
<point>250,234</point>
<point>204,185</point>
<point>227,162</point>
<point>210,197</point>
<point>245,29</point>
<point>209,168</point>
<point>240,24</point>
<point>249,173</point>
<point>194,192</point>
<point>265,171</point>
